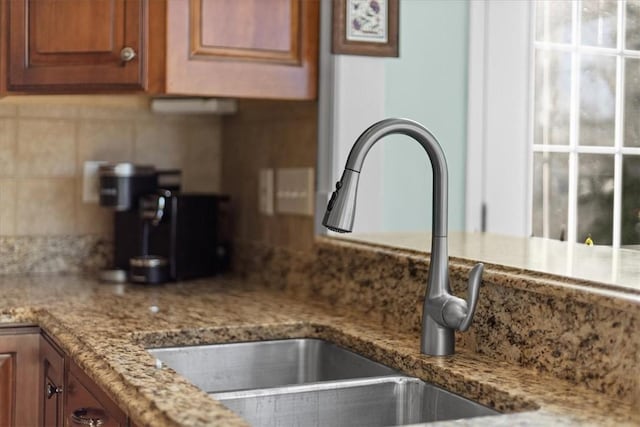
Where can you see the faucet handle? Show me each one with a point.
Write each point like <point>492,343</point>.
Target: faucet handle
<point>475,279</point>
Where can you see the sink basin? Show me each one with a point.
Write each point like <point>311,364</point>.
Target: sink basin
<point>365,402</point>
<point>312,382</point>
<point>263,364</point>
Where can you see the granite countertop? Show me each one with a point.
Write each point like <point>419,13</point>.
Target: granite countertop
<point>618,268</point>
<point>105,329</point>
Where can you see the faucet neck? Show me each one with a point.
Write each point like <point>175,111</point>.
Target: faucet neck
<point>430,144</point>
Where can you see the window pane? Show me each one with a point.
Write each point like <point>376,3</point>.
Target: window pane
<point>552,97</point>
<point>630,216</point>
<point>632,103</point>
<point>633,25</point>
<point>595,198</point>
<point>553,21</point>
<point>550,194</point>
<point>597,100</point>
<point>599,22</point>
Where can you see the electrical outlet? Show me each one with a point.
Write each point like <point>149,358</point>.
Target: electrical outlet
<point>265,191</point>
<point>295,191</point>
<point>91,182</point>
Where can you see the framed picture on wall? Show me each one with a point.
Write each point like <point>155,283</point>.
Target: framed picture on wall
<point>365,27</point>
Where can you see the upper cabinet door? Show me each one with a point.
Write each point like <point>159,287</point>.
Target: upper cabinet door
<point>75,45</point>
<point>243,48</point>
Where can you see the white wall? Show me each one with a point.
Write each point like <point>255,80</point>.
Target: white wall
<point>428,83</point>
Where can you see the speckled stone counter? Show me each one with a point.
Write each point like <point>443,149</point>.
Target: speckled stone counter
<point>105,329</point>
<point>54,254</point>
<point>577,330</point>
<point>619,268</point>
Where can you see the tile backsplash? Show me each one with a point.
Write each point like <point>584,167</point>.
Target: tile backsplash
<point>268,134</point>
<point>44,144</point>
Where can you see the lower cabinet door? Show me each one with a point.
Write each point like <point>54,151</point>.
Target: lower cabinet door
<point>86,402</point>
<point>18,377</point>
<point>51,383</point>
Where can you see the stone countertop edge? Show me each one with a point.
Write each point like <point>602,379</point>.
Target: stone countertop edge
<point>108,343</point>
<point>519,278</point>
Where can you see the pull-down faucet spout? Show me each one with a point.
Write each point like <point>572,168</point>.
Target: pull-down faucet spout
<point>442,313</point>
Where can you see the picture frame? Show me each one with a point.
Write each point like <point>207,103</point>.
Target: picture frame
<point>365,27</point>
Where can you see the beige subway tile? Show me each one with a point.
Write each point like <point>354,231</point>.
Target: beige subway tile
<point>203,166</point>
<point>46,148</point>
<point>163,145</point>
<point>116,112</point>
<point>7,109</point>
<point>93,219</point>
<point>45,206</point>
<point>193,183</point>
<point>7,207</point>
<point>48,111</point>
<point>8,146</point>
<point>108,140</point>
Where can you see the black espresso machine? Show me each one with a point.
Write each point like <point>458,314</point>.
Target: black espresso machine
<point>160,233</point>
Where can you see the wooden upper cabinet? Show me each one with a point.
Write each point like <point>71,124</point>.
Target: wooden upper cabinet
<point>75,45</point>
<point>3,48</point>
<point>242,48</point>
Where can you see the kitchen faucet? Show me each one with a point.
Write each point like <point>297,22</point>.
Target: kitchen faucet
<point>443,312</point>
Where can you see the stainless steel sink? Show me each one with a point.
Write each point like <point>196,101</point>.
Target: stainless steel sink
<point>263,364</point>
<point>365,402</point>
<point>312,382</point>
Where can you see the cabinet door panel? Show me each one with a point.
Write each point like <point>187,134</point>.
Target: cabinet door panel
<point>74,44</point>
<point>7,386</point>
<point>18,378</point>
<point>270,31</point>
<point>52,375</point>
<point>69,26</point>
<point>243,48</point>
<point>3,48</point>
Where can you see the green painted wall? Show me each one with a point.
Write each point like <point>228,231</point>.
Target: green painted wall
<point>427,83</point>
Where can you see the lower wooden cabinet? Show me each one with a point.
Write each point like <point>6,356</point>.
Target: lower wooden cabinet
<point>69,397</point>
<point>19,376</point>
<point>52,387</point>
<point>41,386</point>
<point>85,400</point>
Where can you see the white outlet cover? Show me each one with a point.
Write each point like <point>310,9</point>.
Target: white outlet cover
<point>265,191</point>
<point>295,192</point>
<point>91,181</point>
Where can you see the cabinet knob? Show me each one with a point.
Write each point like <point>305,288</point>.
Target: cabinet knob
<point>127,54</point>
<point>93,417</point>
<point>52,390</point>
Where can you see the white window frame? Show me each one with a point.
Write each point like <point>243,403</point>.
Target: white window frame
<point>573,149</point>
<point>498,196</point>
<point>500,118</point>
